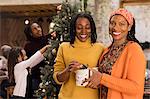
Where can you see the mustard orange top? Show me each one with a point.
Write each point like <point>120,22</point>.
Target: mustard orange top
<point>128,72</point>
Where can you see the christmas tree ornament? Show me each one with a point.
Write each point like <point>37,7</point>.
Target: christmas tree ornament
<point>43,90</point>
<point>60,25</point>
<point>51,27</point>
<point>54,51</point>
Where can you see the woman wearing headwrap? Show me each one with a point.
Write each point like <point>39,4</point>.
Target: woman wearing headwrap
<point>122,65</point>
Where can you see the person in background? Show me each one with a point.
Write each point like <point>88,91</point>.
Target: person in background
<point>4,70</point>
<point>82,49</point>
<point>35,41</point>
<point>3,58</point>
<point>19,68</point>
<point>122,65</point>
<point>5,50</point>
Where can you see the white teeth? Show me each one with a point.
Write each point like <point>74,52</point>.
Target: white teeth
<point>116,33</point>
<point>83,36</point>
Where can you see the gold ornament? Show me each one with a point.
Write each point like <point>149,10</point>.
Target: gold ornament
<point>54,51</point>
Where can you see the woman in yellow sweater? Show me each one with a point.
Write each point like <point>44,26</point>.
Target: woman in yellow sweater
<point>82,49</point>
<point>122,65</point>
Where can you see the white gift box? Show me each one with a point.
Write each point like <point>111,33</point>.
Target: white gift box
<point>82,75</point>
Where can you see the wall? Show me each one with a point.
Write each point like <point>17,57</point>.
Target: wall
<point>24,2</point>
<point>142,18</point>
<point>101,10</point>
<point>141,13</point>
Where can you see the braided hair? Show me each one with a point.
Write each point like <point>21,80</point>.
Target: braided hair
<point>131,33</point>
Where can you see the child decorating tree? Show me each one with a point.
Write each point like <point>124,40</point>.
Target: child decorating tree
<point>19,69</point>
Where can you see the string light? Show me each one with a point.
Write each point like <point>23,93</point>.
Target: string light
<point>26,21</point>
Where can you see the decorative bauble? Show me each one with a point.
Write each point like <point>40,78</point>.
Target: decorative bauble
<point>59,8</point>
<point>51,70</point>
<point>51,27</point>
<point>46,83</point>
<point>41,76</point>
<point>43,90</point>
<point>41,85</point>
<point>54,51</point>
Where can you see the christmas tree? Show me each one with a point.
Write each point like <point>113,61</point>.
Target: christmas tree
<point>59,29</point>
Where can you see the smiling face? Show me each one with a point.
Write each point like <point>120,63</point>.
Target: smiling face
<point>36,30</point>
<point>83,29</point>
<point>118,28</point>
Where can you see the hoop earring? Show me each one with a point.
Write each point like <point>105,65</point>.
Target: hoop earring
<point>110,37</point>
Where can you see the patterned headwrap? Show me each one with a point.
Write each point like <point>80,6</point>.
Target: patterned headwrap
<point>125,13</point>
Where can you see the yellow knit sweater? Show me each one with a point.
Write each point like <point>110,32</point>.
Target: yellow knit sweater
<point>85,53</point>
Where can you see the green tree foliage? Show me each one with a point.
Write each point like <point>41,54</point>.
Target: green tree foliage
<point>61,23</point>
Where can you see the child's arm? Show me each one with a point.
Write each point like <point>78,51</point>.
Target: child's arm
<point>33,60</point>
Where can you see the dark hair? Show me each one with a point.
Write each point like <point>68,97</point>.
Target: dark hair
<point>12,61</point>
<point>28,31</point>
<point>73,27</point>
<point>5,50</point>
<point>131,33</point>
